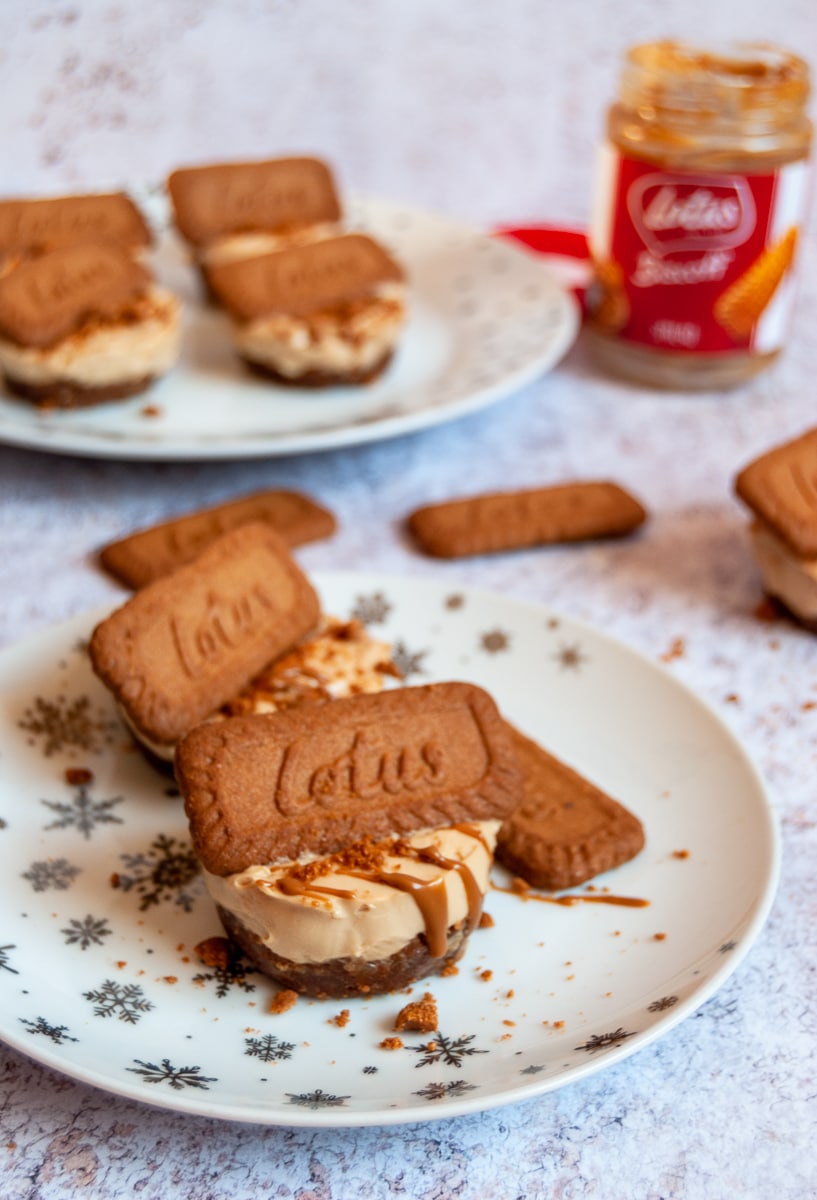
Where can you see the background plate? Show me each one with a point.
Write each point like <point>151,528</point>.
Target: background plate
<point>486,317</point>
<point>102,982</point>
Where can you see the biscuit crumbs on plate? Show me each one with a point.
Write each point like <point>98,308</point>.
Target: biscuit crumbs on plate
<point>419,1015</point>
<point>214,952</point>
<point>391,1043</point>
<point>341,1019</point>
<point>283,1001</point>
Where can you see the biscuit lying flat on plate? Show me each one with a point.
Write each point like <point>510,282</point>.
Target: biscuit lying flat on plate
<point>84,324</point>
<point>347,846</point>
<point>325,313</point>
<point>484,524</point>
<point>780,487</point>
<point>184,645</point>
<point>566,830</point>
<point>151,553</point>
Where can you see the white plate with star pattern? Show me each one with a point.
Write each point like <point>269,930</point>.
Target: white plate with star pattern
<point>486,317</point>
<point>103,906</point>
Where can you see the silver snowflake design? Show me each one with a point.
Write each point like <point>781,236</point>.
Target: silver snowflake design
<point>570,657</point>
<point>177,1077</point>
<point>165,871</point>
<point>83,813</point>
<point>726,947</point>
<point>442,1091</point>
<point>370,1070</point>
<point>268,1048</point>
<point>533,1069</point>
<point>408,662</point>
<point>450,1051</point>
<point>65,724</point>
<point>601,1041</point>
<point>663,1004</point>
<point>316,1099</point>
<point>57,1033</point>
<point>56,873</point>
<point>371,610</point>
<point>4,959</point>
<point>88,932</point>
<point>126,1001</point>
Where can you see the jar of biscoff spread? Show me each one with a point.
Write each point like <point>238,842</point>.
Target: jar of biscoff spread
<point>700,194</point>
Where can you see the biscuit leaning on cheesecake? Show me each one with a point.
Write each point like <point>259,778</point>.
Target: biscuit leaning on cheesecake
<point>347,831</point>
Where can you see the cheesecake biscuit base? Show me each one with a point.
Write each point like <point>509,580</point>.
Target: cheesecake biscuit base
<point>566,830</point>
<point>487,523</point>
<point>311,781</point>
<point>187,643</point>
<point>781,488</point>
<point>151,553</point>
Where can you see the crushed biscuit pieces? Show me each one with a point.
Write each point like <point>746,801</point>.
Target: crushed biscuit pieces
<point>284,1001</point>
<point>214,952</point>
<point>419,1015</point>
<point>341,1020</point>
<point>486,921</point>
<point>391,1043</point>
<point>76,776</point>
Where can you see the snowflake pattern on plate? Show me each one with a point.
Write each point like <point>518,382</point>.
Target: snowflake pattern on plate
<point>408,662</point>
<point>371,610</point>
<point>317,1099</point>
<point>5,965</point>
<point>83,813</point>
<point>168,870</point>
<point>268,1048</point>
<point>61,725</point>
<point>450,1051</point>
<point>126,1001</point>
<point>54,873</point>
<point>56,1033</point>
<point>177,1077</point>
<point>88,932</point>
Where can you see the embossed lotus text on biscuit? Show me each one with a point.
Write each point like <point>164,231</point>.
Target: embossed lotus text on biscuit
<point>376,764</point>
<point>227,622</point>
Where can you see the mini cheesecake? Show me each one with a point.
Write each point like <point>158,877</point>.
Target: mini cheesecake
<point>85,324</point>
<point>318,314</point>
<point>347,846</point>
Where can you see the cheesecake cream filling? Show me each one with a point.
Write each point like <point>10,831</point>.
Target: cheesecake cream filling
<point>232,247</point>
<point>108,353</point>
<point>343,913</point>
<point>791,579</point>
<point>348,339</point>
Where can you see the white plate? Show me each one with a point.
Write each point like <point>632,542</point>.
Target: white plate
<point>102,982</point>
<point>486,318</point>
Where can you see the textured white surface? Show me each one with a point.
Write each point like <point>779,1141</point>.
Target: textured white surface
<point>490,113</point>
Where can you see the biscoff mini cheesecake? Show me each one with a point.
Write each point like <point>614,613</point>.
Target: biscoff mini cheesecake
<point>320,314</point>
<point>347,846</point>
<point>85,324</point>
<point>780,488</point>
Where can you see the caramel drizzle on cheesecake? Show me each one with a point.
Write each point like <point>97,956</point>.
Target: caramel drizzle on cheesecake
<point>428,894</point>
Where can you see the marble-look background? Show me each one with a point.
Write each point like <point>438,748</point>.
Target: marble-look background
<point>490,112</point>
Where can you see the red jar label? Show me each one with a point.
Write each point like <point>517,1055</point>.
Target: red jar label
<point>691,261</point>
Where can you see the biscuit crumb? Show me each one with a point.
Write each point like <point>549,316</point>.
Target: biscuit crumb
<point>171,978</point>
<point>732,698</point>
<point>558,1024</point>
<point>419,1015</point>
<point>486,976</point>
<point>677,649</point>
<point>680,854</point>
<point>150,410</point>
<point>450,969</point>
<point>486,921</point>
<point>284,1001</point>
<point>391,1043</point>
<point>214,952</point>
<point>659,937</point>
<point>341,1020</point>
<point>78,775</point>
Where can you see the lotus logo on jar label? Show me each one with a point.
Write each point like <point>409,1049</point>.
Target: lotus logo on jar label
<point>692,261</point>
